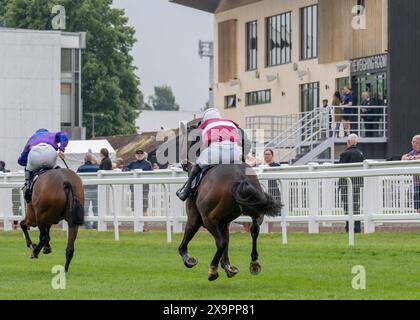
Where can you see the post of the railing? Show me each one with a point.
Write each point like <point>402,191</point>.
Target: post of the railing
<point>284,195</point>
<point>313,226</point>
<point>102,204</point>
<point>115,213</point>
<point>370,199</point>
<point>359,122</point>
<point>350,211</point>
<point>7,206</point>
<point>264,228</point>
<point>168,218</point>
<point>138,204</point>
<point>176,205</point>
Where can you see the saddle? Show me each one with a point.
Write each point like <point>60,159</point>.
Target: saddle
<point>197,181</point>
<point>36,174</point>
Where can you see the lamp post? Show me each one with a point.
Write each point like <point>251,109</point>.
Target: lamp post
<point>93,115</point>
<point>205,49</point>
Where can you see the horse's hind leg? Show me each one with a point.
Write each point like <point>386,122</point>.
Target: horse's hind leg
<point>42,241</point>
<point>70,245</point>
<point>255,267</point>
<point>231,271</point>
<point>193,225</point>
<point>47,246</point>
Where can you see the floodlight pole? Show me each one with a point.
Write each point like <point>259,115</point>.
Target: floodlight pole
<point>93,114</point>
<point>205,49</point>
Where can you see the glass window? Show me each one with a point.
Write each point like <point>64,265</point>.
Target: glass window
<point>309,94</point>
<point>258,97</point>
<point>66,104</point>
<point>66,65</point>
<point>251,45</point>
<point>309,32</point>
<point>279,39</point>
<point>230,102</point>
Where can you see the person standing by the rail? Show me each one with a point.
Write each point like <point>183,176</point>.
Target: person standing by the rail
<point>352,155</point>
<point>411,156</point>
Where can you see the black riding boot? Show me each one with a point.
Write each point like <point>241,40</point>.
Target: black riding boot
<point>26,187</point>
<point>183,193</point>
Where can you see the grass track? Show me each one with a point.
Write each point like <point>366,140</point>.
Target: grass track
<point>144,266</point>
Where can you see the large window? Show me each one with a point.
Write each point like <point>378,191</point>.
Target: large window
<point>279,39</point>
<point>309,32</point>
<point>230,102</point>
<point>258,97</point>
<point>251,46</point>
<point>309,96</point>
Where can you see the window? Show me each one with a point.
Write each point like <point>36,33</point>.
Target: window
<point>230,102</point>
<point>309,32</point>
<point>279,39</point>
<point>66,104</point>
<point>258,97</point>
<point>251,46</point>
<point>66,57</point>
<point>309,96</point>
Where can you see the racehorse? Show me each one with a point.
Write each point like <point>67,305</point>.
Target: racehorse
<point>57,195</point>
<point>226,192</point>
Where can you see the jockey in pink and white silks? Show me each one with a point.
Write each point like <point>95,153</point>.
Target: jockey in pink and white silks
<point>221,140</point>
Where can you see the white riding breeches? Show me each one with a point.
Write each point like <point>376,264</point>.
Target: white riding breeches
<point>225,152</point>
<point>41,156</point>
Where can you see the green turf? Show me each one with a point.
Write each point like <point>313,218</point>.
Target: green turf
<point>144,266</point>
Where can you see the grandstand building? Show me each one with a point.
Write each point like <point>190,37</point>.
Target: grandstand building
<point>276,60</point>
<point>40,81</point>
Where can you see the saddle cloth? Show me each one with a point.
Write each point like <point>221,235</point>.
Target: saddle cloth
<point>197,180</point>
<point>37,174</point>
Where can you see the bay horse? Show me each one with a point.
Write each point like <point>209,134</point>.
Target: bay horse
<point>226,192</point>
<point>57,195</point>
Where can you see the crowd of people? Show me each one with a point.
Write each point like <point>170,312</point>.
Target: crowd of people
<point>345,116</point>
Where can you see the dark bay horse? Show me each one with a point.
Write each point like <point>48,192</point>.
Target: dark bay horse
<point>57,195</point>
<point>226,192</point>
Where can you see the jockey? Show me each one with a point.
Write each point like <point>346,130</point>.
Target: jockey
<point>41,152</point>
<point>221,140</point>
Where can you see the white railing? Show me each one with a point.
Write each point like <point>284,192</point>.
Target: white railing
<point>372,192</point>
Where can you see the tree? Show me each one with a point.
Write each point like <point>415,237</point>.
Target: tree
<point>109,83</point>
<point>163,99</point>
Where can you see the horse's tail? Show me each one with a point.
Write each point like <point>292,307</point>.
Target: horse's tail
<point>255,199</point>
<point>76,211</point>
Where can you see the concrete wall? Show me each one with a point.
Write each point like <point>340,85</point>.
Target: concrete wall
<point>30,75</point>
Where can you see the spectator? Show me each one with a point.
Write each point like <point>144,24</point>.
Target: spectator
<point>118,165</point>
<point>106,163</point>
<point>325,119</point>
<point>348,111</point>
<point>88,166</point>
<point>3,167</point>
<point>415,155</point>
<point>338,112</point>
<point>368,115</point>
<point>141,163</point>
<point>352,155</point>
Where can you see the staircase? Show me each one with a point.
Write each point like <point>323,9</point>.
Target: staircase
<point>300,138</point>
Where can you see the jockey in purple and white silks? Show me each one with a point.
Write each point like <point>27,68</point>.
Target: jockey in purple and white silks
<point>41,152</point>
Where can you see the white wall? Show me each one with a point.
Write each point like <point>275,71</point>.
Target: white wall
<point>30,76</point>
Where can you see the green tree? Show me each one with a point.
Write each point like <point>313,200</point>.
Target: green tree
<point>163,99</point>
<point>109,83</point>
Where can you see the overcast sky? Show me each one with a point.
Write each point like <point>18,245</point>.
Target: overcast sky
<point>167,48</point>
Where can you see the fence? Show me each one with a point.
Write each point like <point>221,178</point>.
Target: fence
<point>368,193</point>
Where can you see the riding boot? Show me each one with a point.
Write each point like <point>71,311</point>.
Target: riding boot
<point>26,188</point>
<point>183,193</point>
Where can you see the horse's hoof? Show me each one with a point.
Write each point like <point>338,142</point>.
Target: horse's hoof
<point>46,250</point>
<point>213,274</point>
<point>231,271</point>
<point>191,262</point>
<point>34,256</point>
<point>255,268</point>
